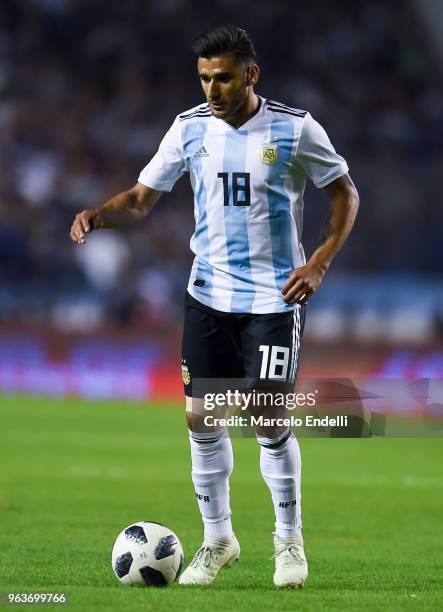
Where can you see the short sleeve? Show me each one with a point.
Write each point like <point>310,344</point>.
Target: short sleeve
<point>168,164</point>
<point>316,156</point>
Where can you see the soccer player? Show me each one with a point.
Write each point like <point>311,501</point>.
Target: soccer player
<point>248,158</point>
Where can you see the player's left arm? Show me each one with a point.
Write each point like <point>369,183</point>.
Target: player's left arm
<point>305,280</point>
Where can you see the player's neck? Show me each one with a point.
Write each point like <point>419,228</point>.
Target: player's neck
<point>251,107</point>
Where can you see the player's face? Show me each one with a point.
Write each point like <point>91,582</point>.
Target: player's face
<point>225,83</point>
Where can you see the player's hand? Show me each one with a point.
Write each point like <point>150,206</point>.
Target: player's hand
<point>83,224</point>
<point>303,283</point>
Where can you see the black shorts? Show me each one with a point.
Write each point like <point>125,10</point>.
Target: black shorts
<point>260,349</point>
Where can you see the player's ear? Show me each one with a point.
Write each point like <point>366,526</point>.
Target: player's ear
<point>252,73</point>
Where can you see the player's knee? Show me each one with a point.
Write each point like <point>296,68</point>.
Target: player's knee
<point>272,435</point>
<point>189,420</point>
<point>201,420</point>
<point>194,413</point>
<point>196,424</point>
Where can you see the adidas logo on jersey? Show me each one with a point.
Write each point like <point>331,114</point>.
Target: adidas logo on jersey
<point>201,152</point>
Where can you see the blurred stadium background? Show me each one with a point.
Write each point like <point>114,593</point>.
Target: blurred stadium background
<point>87,90</point>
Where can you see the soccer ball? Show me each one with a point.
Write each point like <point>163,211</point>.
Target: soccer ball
<point>147,554</point>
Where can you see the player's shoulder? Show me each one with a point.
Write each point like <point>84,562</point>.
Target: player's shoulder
<point>278,109</point>
<point>197,112</point>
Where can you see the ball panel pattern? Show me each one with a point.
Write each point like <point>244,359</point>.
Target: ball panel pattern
<point>165,547</point>
<point>136,534</point>
<point>123,564</point>
<point>152,576</point>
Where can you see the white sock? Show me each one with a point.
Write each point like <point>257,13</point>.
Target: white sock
<point>212,463</point>
<point>280,465</point>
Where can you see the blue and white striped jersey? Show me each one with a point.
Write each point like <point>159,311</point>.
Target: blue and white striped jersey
<point>248,199</point>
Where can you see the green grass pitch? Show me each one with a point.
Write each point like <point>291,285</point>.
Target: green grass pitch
<point>73,474</point>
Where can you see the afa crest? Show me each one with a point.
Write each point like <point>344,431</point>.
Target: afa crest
<point>185,375</point>
<point>269,154</point>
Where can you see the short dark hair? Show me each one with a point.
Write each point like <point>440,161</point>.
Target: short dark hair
<point>225,39</point>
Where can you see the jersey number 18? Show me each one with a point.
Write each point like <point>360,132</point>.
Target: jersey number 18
<point>240,188</point>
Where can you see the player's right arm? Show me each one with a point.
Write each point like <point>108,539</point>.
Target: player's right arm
<point>160,175</point>
<point>124,208</point>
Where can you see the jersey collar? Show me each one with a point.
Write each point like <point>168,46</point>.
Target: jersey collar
<point>250,122</point>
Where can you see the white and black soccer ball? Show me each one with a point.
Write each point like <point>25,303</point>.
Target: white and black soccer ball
<point>147,554</point>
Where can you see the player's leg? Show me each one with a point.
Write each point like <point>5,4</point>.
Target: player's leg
<point>206,345</point>
<point>212,464</point>
<point>280,464</point>
<point>272,345</point>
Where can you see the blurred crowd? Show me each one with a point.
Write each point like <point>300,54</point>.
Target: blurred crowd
<point>88,88</point>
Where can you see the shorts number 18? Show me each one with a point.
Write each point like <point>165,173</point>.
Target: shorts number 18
<point>276,358</point>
